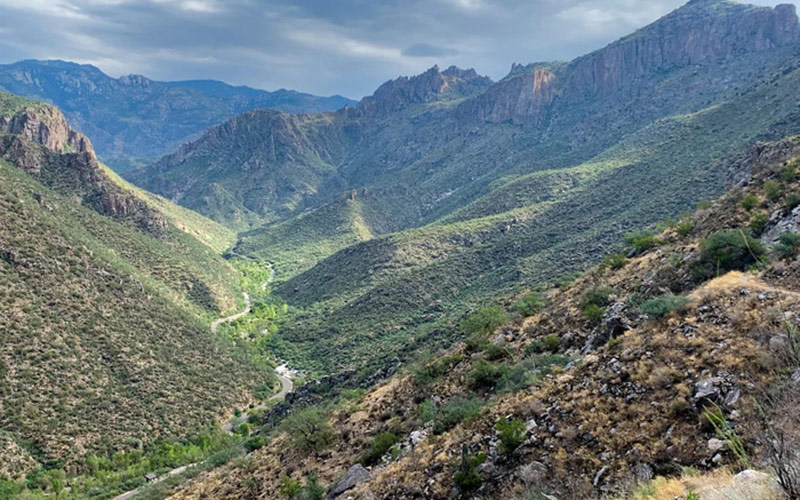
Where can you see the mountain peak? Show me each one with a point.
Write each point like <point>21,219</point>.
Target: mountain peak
<point>430,86</point>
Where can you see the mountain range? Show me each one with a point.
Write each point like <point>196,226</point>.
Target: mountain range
<point>132,118</point>
<point>562,284</point>
<point>447,188</point>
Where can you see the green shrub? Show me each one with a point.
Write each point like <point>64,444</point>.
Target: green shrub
<point>593,313</point>
<point>692,495</point>
<point>428,371</point>
<point>289,487</point>
<point>749,201</point>
<point>528,305</point>
<point>792,201</point>
<point>725,251</point>
<point>663,305</point>
<point>773,190</point>
<point>484,374</point>
<point>380,445</point>
<point>519,376</point>
<point>758,224</point>
<point>427,411</point>
<point>484,320</point>
<point>642,241</point>
<point>511,434</point>
<point>599,296</point>
<point>308,429</point>
<point>255,443</point>
<point>476,342</point>
<point>685,226</point>
<point>467,477</point>
<point>614,261</point>
<point>459,409</point>
<point>788,245</point>
<point>495,352</point>
<point>550,343</point>
<point>314,490</point>
<point>704,205</point>
<point>789,173</point>
<point>545,364</point>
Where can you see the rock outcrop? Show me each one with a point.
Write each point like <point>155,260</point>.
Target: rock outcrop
<point>432,85</point>
<point>38,139</point>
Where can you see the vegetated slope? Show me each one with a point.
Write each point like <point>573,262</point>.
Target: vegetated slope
<point>593,388</point>
<point>301,242</point>
<point>375,299</point>
<point>105,339</point>
<point>132,118</point>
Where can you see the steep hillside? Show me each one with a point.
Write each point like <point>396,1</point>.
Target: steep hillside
<point>132,118</point>
<point>106,302</point>
<point>657,364</point>
<point>470,187</point>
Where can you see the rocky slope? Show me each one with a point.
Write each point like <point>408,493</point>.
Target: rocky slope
<point>106,296</point>
<point>134,118</point>
<point>600,401</point>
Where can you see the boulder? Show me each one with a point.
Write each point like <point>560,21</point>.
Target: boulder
<point>356,475</point>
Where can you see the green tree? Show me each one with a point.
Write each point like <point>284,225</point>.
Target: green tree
<point>309,429</point>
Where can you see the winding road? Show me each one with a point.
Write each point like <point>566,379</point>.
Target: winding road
<point>286,388</point>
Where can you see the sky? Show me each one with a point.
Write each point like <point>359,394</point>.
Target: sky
<point>325,47</point>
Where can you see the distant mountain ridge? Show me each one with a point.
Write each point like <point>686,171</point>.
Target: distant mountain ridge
<point>132,117</point>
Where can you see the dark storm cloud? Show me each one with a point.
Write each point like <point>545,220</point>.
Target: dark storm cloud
<point>320,46</point>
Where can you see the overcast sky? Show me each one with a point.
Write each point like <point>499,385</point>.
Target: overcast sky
<point>346,47</point>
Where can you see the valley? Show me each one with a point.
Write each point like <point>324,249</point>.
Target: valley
<point>579,280</point>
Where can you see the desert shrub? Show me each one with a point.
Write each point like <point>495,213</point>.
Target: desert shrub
<point>788,245</point>
<point>428,371</point>
<point>484,374</point>
<point>642,241</point>
<point>545,364</point>
<point>467,477</point>
<point>427,411</point>
<point>704,205</point>
<point>550,343</point>
<point>663,305</point>
<point>511,433</point>
<point>476,342</point>
<point>290,488</point>
<point>715,416</point>
<point>495,352</point>
<point>599,296</point>
<point>519,376</point>
<point>528,305</point>
<point>614,261</point>
<point>459,409</point>
<point>593,313</point>
<point>758,224</point>
<point>749,201</point>
<point>308,429</point>
<point>773,190</point>
<point>484,320</point>
<point>313,490</point>
<point>725,251</point>
<point>792,201</point>
<point>789,173</point>
<point>255,443</point>
<point>380,445</point>
<point>684,226</point>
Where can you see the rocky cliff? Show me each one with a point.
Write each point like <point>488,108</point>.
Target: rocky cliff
<point>432,85</point>
<point>36,138</point>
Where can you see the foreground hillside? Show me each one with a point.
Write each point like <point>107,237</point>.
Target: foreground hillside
<point>658,363</point>
<point>444,190</point>
<point>106,301</point>
<point>133,119</point>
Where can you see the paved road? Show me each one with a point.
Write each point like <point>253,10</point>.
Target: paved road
<point>173,472</point>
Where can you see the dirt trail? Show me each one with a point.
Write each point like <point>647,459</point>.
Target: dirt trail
<point>286,388</point>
